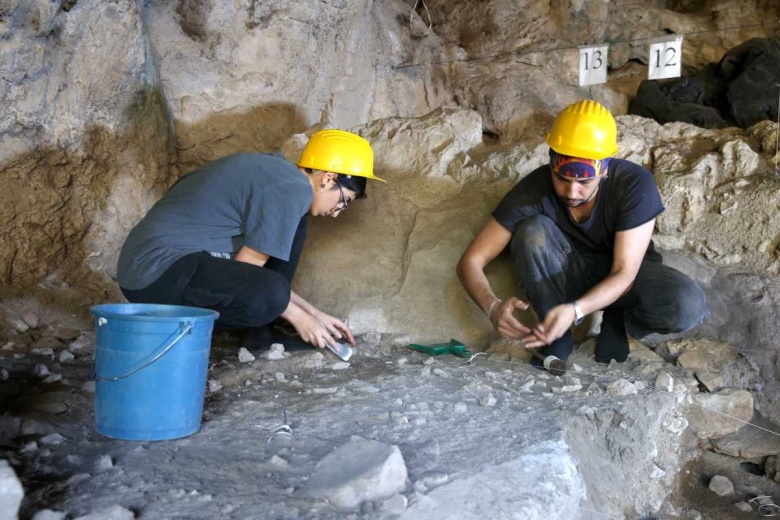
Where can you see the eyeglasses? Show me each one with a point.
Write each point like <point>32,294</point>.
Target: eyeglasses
<point>344,204</point>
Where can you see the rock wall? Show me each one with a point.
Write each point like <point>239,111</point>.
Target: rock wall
<point>85,138</point>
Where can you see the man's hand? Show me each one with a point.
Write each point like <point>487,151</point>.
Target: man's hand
<point>311,329</point>
<point>503,319</point>
<point>558,320</point>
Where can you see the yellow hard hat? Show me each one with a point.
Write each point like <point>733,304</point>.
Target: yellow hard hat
<point>584,129</point>
<point>338,151</point>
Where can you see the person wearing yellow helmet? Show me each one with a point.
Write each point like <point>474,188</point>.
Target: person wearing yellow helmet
<point>228,236</point>
<point>579,231</point>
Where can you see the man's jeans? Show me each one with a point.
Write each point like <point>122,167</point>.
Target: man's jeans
<point>553,270</point>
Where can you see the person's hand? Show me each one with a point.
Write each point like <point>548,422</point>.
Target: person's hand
<point>337,328</point>
<point>558,320</point>
<point>503,319</point>
<point>311,329</point>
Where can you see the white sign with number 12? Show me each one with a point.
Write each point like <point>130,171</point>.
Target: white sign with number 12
<point>593,65</point>
<point>665,59</point>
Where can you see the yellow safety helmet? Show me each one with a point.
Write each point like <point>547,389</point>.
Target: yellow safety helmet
<point>584,129</point>
<point>338,151</point>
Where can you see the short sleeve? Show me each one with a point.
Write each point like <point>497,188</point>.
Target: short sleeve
<point>639,199</point>
<point>272,217</point>
<point>522,201</point>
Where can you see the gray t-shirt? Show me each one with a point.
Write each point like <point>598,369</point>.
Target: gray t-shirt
<point>250,199</point>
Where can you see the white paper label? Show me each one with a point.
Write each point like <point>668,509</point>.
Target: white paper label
<point>665,59</point>
<point>593,65</point>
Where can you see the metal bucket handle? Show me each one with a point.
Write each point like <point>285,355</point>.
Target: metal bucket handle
<point>161,353</point>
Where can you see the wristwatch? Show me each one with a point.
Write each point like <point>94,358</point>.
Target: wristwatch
<point>578,315</point>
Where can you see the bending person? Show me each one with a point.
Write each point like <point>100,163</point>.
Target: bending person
<point>579,231</point>
<point>228,235</point>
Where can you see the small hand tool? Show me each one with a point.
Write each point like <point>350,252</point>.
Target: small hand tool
<point>552,364</point>
<point>453,347</point>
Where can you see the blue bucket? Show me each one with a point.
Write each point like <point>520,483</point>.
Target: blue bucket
<point>151,363</point>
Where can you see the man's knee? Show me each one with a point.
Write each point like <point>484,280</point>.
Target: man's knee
<point>532,236</point>
<point>691,306</point>
<point>266,301</point>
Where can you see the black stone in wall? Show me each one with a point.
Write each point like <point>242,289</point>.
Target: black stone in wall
<point>741,90</point>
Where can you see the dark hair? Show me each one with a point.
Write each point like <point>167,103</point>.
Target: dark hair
<point>354,183</point>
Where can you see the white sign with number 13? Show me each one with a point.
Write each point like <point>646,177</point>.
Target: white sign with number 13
<point>665,59</point>
<point>593,65</point>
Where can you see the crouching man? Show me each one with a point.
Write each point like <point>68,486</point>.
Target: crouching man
<point>579,231</point>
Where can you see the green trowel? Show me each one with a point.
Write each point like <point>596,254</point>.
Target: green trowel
<point>454,347</point>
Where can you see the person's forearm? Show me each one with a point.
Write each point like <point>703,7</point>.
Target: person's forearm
<point>298,300</point>
<point>605,292</point>
<point>473,279</point>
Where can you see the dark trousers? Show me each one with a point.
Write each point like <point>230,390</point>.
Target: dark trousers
<point>245,295</point>
<point>553,270</point>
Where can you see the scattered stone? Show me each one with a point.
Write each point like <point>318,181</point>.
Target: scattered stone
<point>402,360</point>
<point>103,463</point>
<point>395,505</point>
<point>8,346</point>
<point>78,477</point>
<point>41,371</point>
<point>214,386</point>
<point>657,472</point>
<point>275,353</point>
<point>526,387</point>
<point>51,439</point>
<point>372,339</point>
<point>490,400</point>
<point>65,356</point>
<point>4,374</point>
<point>43,352</point>
<point>327,390</point>
<point>566,389</point>
<point>576,367</point>
<point>643,354</point>
<point>88,387</point>
<point>721,486</point>
<point>367,389</point>
<point>278,461</point>
<point>48,514</point>
<point>30,447</point>
<point>621,387</point>
<point>111,513</point>
<point>244,356</point>
<point>439,372</point>
<point>650,369</point>
<point>11,491</point>
<point>692,514</point>
<point>460,408</point>
<point>726,404</point>
<point>772,467</point>
<point>359,471</point>
<point>53,378</point>
<point>341,365</point>
<point>664,382</point>
<point>702,355</point>
<point>710,380</point>
<point>31,319</point>
<point>675,425</point>
<point>435,480</point>
<point>47,343</point>
<point>65,333</point>
<point>428,361</point>
<point>82,342</point>
<point>279,376</point>
<point>744,507</point>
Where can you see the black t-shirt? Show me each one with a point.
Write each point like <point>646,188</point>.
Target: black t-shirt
<point>628,197</point>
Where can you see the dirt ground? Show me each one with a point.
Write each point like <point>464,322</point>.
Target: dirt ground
<point>451,421</point>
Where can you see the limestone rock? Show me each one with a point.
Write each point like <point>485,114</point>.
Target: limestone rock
<point>710,380</point>
<point>750,442</point>
<point>664,382</point>
<point>707,423</point>
<point>721,485</point>
<point>111,513</point>
<point>275,353</point>
<point>621,387</point>
<point>358,471</point>
<point>244,356</point>
<point>11,491</point>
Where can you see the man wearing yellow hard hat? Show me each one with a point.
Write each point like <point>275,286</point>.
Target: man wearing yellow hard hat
<point>228,235</point>
<point>579,232</point>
